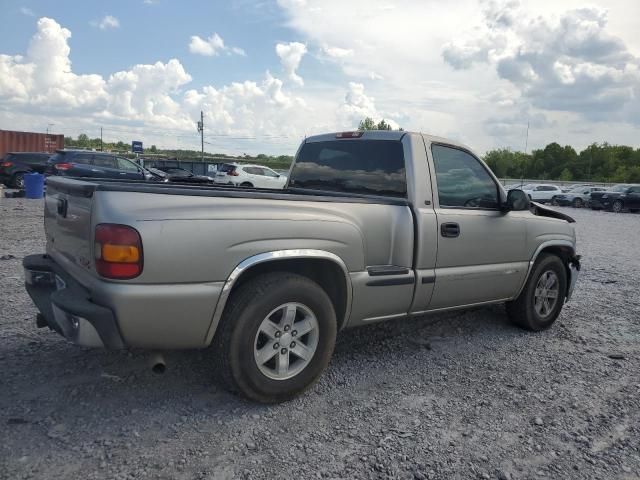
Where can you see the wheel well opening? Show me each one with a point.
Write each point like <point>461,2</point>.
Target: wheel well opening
<point>325,273</point>
<point>565,254</point>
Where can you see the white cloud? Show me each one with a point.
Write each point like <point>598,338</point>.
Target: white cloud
<point>358,105</point>
<point>212,46</point>
<point>290,57</point>
<point>27,11</point>
<point>559,60</point>
<point>337,52</point>
<point>146,97</point>
<point>107,22</point>
<point>570,63</point>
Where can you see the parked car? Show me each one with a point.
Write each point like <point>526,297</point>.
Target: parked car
<point>542,192</point>
<point>577,197</point>
<point>83,163</point>
<point>257,176</point>
<point>176,174</point>
<point>373,226</point>
<point>617,198</point>
<point>568,188</point>
<point>16,165</point>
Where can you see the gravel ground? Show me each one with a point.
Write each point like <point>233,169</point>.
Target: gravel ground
<point>452,396</point>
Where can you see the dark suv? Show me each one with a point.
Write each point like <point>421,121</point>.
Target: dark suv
<point>16,165</point>
<point>617,198</point>
<point>82,163</point>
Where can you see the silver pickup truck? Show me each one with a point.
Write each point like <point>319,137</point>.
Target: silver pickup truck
<point>371,226</point>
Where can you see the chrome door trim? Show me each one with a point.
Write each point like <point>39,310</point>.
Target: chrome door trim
<point>274,256</point>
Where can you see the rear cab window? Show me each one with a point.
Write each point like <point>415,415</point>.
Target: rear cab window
<point>226,168</point>
<point>370,167</point>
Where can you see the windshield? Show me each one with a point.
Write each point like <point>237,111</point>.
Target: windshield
<point>226,168</point>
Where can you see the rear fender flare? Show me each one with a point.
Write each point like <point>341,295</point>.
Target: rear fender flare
<point>274,256</point>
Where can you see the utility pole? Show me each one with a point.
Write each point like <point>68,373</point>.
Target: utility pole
<point>201,130</point>
<point>101,139</point>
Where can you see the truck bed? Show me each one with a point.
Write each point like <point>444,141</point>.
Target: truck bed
<point>85,187</point>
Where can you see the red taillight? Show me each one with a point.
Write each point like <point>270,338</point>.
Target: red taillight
<point>63,166</point>
<point>118,251</point>
<point>233,173</point>
<point>357,134</point>
<point>6,164</point>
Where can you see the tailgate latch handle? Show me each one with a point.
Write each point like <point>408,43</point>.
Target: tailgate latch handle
<point>63,205</point>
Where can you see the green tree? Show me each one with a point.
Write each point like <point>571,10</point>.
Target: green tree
<point>382,125</point>
<point>565,176</point>
<point>83,140</point>
<point>367,124</point>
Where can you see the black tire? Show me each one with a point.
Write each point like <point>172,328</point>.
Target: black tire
<point>577,203</point>
<point>554,202</point>
<point>246,185</point>
<point>617,206</point>
<point>17,180</point>
<point>236,336</point>
<point>522,312</point>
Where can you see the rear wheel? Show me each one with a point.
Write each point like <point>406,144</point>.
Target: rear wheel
<point>577,202</point>
<point>18,180</point>
<point>617,206</point>
<point>554,202</point>
<point>542,298</point>
<point>246,185</point>
<point>276,337</point>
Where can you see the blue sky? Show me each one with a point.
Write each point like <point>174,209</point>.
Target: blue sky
<point>267,73</point>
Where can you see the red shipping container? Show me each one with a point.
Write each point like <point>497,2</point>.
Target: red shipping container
<point>11,141</point>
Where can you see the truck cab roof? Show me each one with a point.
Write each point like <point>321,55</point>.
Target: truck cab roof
<point>383,135</point>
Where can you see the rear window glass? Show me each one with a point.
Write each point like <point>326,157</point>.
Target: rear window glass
<point>374,167</point>
<point>226,168</point>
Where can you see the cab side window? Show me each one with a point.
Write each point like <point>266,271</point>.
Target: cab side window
<point>106,161</point>
<point>462,180</point>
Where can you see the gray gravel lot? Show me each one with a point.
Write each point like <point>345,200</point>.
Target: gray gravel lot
<point>452,396</point>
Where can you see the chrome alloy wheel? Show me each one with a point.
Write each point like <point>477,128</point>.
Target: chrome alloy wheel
<point>286,341</point>
<point>546,294</point>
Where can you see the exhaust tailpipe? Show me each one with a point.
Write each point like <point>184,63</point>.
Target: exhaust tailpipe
<point>157,363</point>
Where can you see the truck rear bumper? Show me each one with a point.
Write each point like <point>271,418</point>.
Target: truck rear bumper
<point>66,307</point>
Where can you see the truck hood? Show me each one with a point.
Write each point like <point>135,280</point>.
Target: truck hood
<point>542,211</point>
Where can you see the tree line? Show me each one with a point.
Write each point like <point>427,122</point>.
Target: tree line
<point>598,163</point>
<point>84,141</point>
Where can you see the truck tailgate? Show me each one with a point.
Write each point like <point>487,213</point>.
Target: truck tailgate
<point>67,222</point>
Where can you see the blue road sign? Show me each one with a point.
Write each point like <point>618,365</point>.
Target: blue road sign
<point>136,147</point>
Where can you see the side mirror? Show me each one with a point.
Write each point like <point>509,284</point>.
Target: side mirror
<point>517,201</point>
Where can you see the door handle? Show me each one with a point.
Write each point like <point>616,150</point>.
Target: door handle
<point>450,229</point>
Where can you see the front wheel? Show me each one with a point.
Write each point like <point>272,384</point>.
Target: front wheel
<point>246,185</point>
<point>554,202</point>
<point>542,298</point>
<point>276,337</point>
<point>617,206</point>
